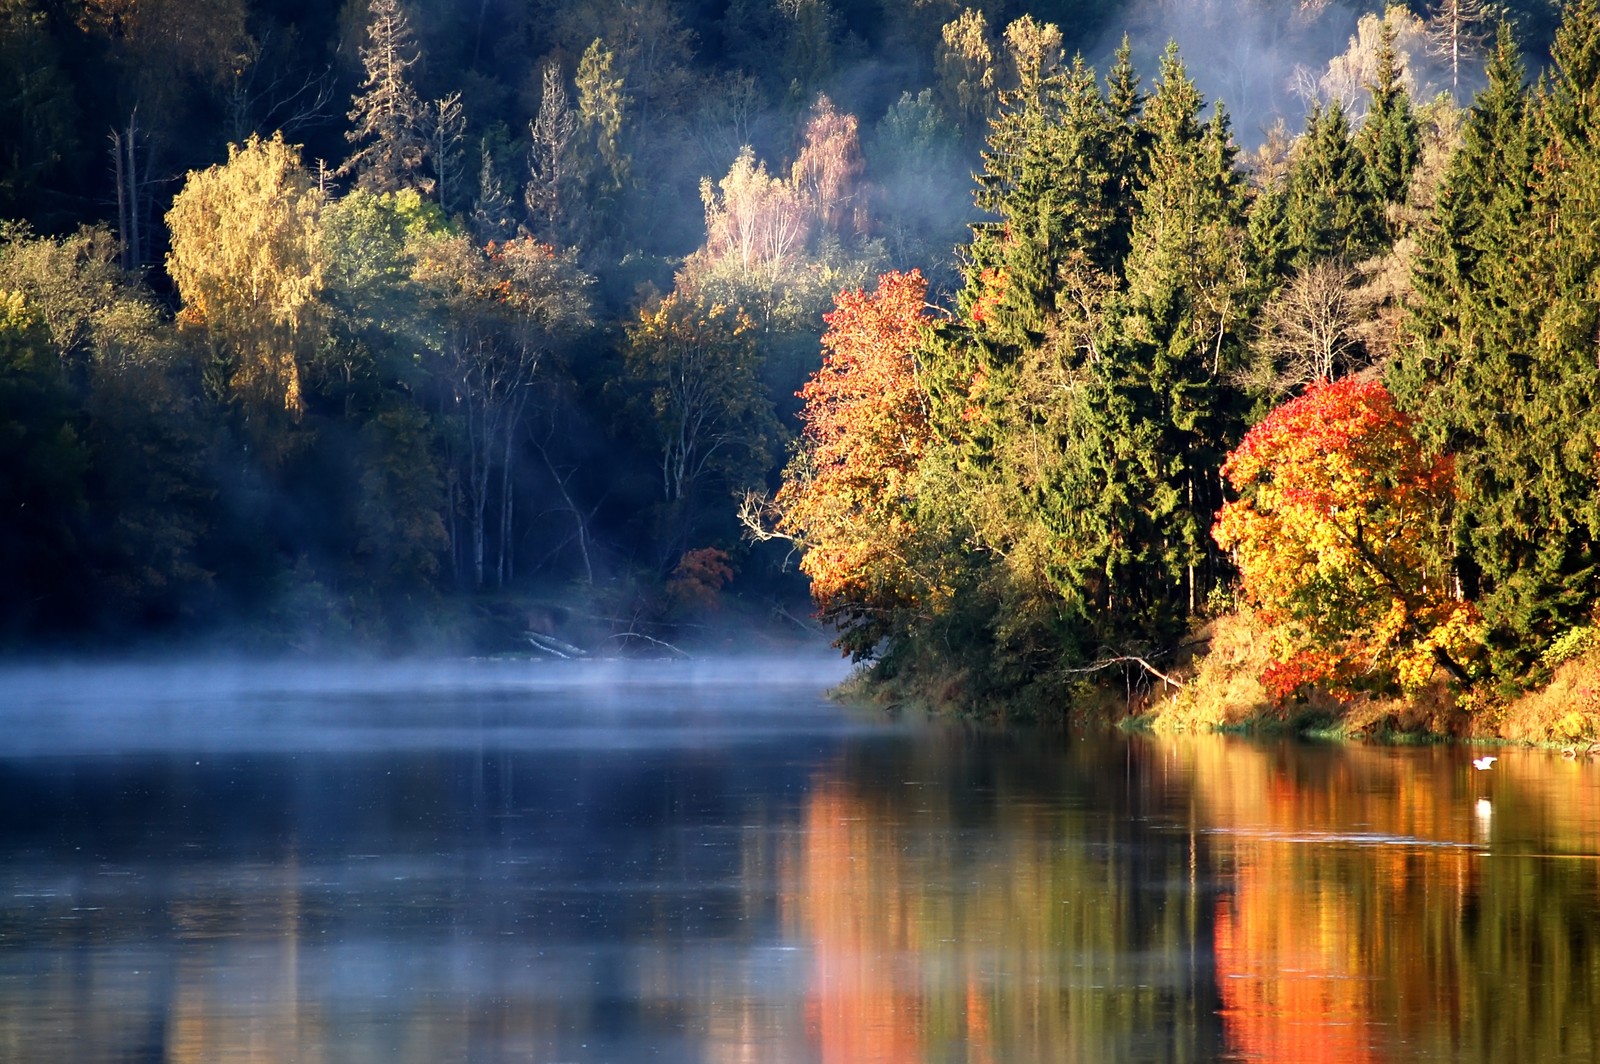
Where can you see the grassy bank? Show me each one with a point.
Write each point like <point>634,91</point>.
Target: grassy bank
<point>1222,692</point>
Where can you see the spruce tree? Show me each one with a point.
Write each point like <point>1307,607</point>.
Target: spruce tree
<point>1331,209</point>
<point>1502,369</point>
<point>389,127</point>
<point>1388,140</point>
<point>1007,375</point>
<point>1173,341</point>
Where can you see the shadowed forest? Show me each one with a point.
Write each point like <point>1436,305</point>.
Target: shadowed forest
<point>1153,349</point>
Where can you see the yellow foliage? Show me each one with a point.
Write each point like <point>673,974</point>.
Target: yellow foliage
<point>247,259</point>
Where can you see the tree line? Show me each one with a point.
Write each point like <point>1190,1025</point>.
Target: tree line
<point>321,318</point>
<point>1342,386</point>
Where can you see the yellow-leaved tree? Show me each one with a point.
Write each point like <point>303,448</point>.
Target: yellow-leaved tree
<point>848,494</point>
<point>247,257</point>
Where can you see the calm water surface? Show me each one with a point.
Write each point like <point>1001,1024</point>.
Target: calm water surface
<point>536,862</point>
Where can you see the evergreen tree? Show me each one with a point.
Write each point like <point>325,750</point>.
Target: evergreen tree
<point>1388,140</point>
<point>1173,342</point>
<point>1126,148</point>
<point>1502,369</point>
<point>41,487</point>
<point>389,119</point>
<point>1331,209</point>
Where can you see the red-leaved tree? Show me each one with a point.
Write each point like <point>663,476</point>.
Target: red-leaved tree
<point>1340,543</point>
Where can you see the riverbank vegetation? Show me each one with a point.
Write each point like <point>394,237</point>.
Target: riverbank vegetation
<point>388,326</point>
<point>1310,440</point>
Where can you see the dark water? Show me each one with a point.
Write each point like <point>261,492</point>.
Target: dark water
<point>515,862</point>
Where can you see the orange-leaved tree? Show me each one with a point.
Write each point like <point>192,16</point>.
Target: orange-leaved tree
<point>1339,538</point>
<point>847,494</point>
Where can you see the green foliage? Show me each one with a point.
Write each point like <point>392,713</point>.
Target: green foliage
<point>1332,209</point>
<point>38,124</point>
<point>1388,138</point>
<point>1570,645</point>
<point>1502,371</point>
<point>694,365</point>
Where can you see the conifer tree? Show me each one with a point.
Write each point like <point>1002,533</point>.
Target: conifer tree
<point>1388,139</point>
<point>1331,209</point>
<point>601,113</point>
<point>1174,339</point>
<point>1125,148</point>
<point>389,127</point>
<point>1502,368</point>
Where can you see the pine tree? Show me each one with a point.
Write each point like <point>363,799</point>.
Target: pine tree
<point>1173,342</point>
<point>389,119</point>
<point>1502,369</point>
<point>1126,148</point>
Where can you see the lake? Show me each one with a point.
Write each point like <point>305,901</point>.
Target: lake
<point>563,862</point>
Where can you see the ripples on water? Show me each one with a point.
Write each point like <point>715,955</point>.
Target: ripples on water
<point>678,862</point>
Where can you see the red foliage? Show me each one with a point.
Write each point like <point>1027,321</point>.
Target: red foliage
<point>699,576</point>
<point>1338,545</point>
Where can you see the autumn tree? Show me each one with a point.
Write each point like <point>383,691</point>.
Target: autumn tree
<point>120,376</point>
<point>550,194</point>
<point>849,492</point>
<point>247,259</point>
<point>693,373</point>
<point>828,170</point>
<point>967,65</point>
<point>756,222</point>
<point>1341,549</point>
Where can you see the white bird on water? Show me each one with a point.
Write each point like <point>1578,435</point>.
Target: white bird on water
<point>1481,763</point>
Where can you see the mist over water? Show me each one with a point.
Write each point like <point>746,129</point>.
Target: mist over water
<point>307,707</point>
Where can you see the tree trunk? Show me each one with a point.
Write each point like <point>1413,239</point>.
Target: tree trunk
<point>119,168</point>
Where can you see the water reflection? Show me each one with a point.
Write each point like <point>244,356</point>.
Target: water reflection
<point>1381,906</point>
<point>527,879</point>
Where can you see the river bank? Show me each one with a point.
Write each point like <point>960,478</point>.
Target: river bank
<point>1221,691</point>
<point>1212,684</point>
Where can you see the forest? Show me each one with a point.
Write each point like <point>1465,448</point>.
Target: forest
<point>1067,349</point>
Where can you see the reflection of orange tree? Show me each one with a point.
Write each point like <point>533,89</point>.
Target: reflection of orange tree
<point>864,1005</point>
<point>1292,986</point>
<point>1014,943</point>
<point>1326,938</point>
